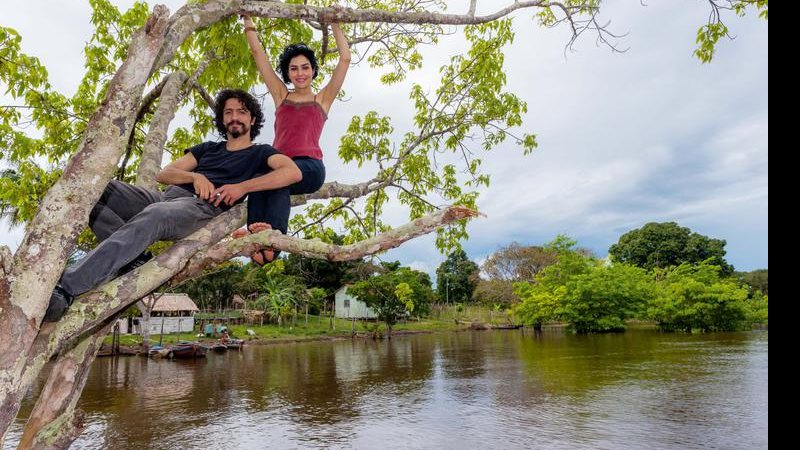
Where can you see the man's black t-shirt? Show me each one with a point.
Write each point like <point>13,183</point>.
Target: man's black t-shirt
<point>222,166</point>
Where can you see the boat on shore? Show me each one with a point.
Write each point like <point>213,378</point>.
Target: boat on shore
<point>188,350</point>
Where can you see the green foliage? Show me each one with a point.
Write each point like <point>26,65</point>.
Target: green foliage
<point>542,301</point>
<point>757,312</point>
<point>602,299</point>
<point>28,177</point>
<point>469,100</point>
<point>216,289</point>
<point>757,280</point>
<point>539,304</point>
<point>707,37</point>
<point>594,298</point>
<point>394,294</point>
<point>696,298</point>
<point>709,34</point>
<point>280,294</point>
<point>660,245</point>
<point>571,262</point>
<point>457,277</point>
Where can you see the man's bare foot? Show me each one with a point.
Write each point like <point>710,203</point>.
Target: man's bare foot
<point>260,257</point>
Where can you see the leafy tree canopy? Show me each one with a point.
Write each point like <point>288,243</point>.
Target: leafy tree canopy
<point>660,245</point>
<point>457,277</point>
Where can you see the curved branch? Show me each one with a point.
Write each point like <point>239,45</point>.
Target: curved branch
<point>194,16</point>
<point>153,151</point>
<point>274,239</point>
<point>335,189</point>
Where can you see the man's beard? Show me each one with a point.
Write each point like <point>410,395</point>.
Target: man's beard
<point>243,129</point>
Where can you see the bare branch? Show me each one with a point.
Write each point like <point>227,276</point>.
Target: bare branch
<point>203,93</point>
<point>153,150</point>
<point>335,190</point>
<point>150,98</point>
<point>324,216</point>
<point>47,108</point>
<point>274,239</point>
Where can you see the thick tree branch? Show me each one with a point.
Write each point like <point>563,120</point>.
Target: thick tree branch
<point>274,239</point>
<point>182,261</point>
<point>144,108</point>
<point>194,16</point>
<point>52,423</point>
<point>153,151</point>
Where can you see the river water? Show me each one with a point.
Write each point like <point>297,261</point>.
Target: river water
<point>481,389</point>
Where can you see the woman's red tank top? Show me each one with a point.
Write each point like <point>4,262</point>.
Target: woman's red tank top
<point>298,127</point>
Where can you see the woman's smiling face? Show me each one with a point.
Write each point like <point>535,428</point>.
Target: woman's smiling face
<point>300,71</point>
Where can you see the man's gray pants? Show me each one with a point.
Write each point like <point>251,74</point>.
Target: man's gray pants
<point>127,219</point>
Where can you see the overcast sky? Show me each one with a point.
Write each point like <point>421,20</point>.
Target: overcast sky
<point>624,139</point>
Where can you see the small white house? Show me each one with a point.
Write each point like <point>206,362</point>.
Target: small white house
<point>348,307</point>
<point>173,313</point>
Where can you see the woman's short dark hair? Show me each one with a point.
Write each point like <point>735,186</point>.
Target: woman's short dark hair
<point>247,100</point>
<point>295,50</point>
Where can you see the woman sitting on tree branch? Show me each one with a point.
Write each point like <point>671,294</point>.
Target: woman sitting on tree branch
<point>300,114</point>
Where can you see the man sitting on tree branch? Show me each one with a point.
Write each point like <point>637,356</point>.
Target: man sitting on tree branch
<point>207,181</point>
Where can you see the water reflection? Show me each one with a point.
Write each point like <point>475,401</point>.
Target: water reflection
<point>458,390</point>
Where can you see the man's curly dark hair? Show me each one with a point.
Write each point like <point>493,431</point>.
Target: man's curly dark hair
<point>290,52</point>
<point>247,100</point>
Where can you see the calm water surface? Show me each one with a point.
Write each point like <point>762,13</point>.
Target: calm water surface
<point>498,389</point>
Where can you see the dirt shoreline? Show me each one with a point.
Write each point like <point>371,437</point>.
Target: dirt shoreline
<point>129,350</point>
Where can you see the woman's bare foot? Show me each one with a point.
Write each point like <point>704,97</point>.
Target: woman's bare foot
<point>260,257</point>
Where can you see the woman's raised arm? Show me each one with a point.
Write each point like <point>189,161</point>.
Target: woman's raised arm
<point>328,94</point>
<point>274,84</point>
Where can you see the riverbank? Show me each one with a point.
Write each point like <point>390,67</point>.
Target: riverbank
<point>315,329</point>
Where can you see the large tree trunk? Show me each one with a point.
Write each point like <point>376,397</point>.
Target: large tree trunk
<point>147,311</point>
<point>53,422</point>
<point>38,262</point>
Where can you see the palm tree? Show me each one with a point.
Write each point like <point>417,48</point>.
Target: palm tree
<point>280,297</point>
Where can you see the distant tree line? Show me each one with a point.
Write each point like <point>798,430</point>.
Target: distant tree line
<point>661,273</point>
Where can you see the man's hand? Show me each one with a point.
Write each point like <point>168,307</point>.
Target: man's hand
<point>228,194</point>
<point>202,187</point>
